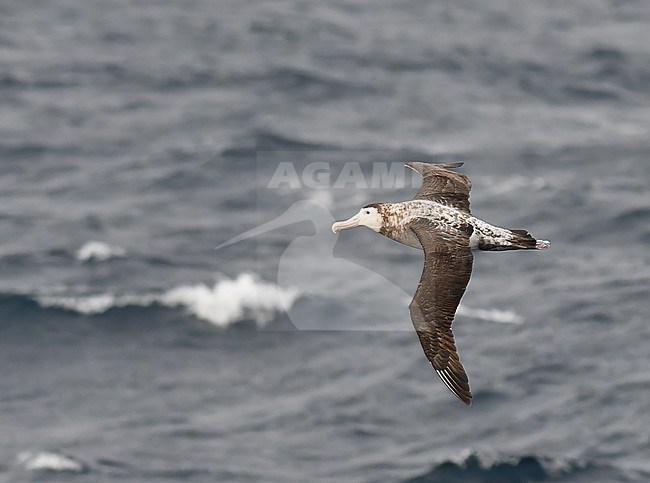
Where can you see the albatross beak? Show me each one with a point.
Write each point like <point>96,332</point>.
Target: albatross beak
<point>343,225</point>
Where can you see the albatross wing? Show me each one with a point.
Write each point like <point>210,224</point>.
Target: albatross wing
<point>442,185</point>
<point>447,270</point>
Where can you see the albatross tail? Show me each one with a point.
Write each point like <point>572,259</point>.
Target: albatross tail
<point>515,240</point>
<point>522,240</point>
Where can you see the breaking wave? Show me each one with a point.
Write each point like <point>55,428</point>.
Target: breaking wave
<point>223,303</point>
<point>49,461</point>
<point>98,251</point>
<point>474,467</point>
<point>231,300</point>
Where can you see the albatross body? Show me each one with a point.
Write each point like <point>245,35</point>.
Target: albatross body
<point>438,220</point>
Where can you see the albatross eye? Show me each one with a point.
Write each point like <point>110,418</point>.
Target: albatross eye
<point>367,212</point>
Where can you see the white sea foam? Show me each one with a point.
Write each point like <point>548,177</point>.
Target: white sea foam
<point>492,315</point>
<point>227,301</point>
<point>92,304</point>
<point>96,304</point>
<point>488,459</point>
<point>231,300</point>
<point>48,461</point>
<point>222,303</point>
<point>99,251</point>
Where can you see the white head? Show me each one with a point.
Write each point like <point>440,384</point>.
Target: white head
<point>368,216</point>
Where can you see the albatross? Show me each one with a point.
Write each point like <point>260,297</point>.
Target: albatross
<point>439,222</point>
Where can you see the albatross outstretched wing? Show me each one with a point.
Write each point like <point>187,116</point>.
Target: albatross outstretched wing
<point>442,185</point>
<point>447,270</point>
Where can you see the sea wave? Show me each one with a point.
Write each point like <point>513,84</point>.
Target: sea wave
<point>473,466</point>
<point>491,315</point>
<point>95,304</point>
<point>49,461</point>
<point>98,251</point>
<point>223,303</point>
<point>231,300</point>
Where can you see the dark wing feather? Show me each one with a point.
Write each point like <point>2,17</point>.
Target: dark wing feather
<point>442,185</point>
<point>447,270</point>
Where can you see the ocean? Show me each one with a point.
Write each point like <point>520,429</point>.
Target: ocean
<point>137,136</point>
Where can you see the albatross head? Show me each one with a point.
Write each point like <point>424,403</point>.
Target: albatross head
<point>368,216</point>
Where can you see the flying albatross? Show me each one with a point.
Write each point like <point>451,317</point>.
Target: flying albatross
<point>438,220</point>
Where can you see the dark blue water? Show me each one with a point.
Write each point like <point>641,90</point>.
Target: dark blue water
<point>135,136</point>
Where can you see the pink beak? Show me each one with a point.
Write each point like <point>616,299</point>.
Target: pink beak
<point>344,225</point>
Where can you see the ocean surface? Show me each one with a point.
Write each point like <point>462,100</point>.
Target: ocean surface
<point>136,136</point>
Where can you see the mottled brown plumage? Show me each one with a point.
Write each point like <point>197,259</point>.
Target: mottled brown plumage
<point>438,220</point>
<point>447,270</point>
<point>443,186</point>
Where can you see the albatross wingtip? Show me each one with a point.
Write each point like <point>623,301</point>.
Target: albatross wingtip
<point>414,165</point>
